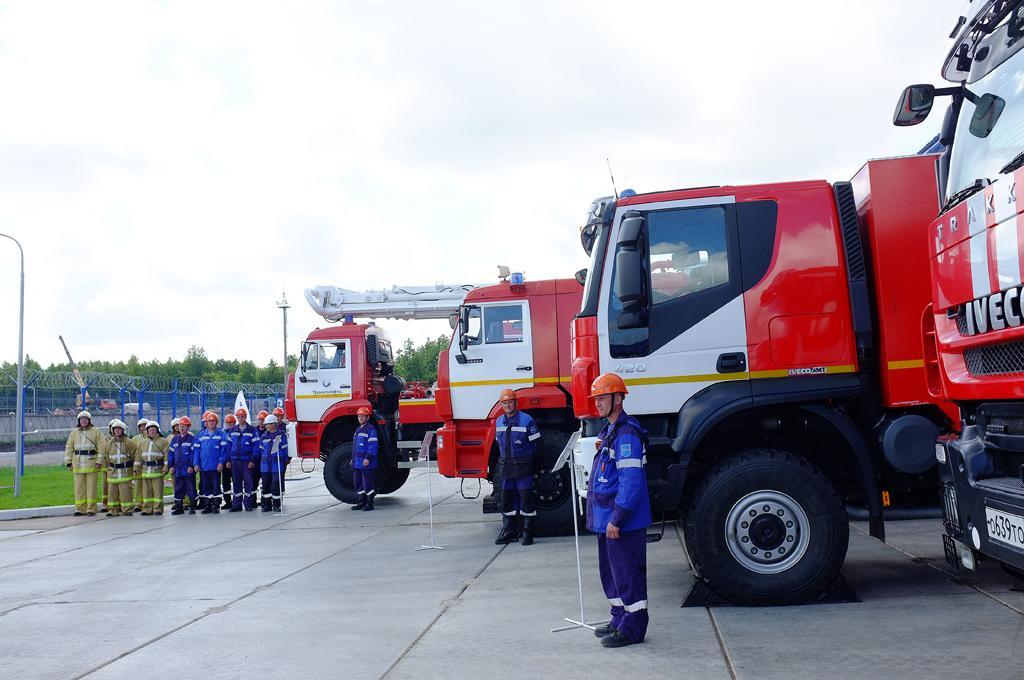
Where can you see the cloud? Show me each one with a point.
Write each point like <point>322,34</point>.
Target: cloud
<point>171,168</point>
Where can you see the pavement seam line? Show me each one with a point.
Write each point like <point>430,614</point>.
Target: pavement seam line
<point>721,643</point>
<point>222,608</point>
<point>444,609</point>
<point>924,560</point>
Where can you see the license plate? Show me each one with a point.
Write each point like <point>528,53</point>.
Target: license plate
<point>1005,527</point>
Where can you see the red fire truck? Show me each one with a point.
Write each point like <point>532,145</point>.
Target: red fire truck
<point>770,339</point>
<point>975,346</point>
<point>511,334</point>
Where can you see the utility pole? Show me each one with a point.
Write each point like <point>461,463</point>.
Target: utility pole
<point>19,446</point>
<point>284,306</point>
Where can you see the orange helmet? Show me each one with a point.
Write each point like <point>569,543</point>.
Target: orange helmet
<point>230,419</point>
<point>278,411</point>
<point>363,411</point>
<point>210,415</point>
<point>185,420</point>
<point>240,412</point>
<point>608,383</point>
<point>262,414</point>
<point>507,394</point>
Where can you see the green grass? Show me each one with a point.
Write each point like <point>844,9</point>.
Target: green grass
<point>40,486</point>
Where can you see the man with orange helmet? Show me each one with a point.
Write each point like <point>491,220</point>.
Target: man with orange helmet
<point>282,426</point>
<point>619,512</point>
<point>243,438</point>
<point>181,459</point>
<point>517,437</point>
<point>210,448</point>
<point>257,475</point>
<point>364,459</point>
<point>225,475</point>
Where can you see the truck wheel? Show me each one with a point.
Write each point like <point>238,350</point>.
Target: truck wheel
<point>766,527</point>
<point>338,473</point>
<point>393,480</point>
<point>552,491</point>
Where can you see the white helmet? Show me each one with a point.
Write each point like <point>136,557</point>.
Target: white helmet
<point>270,420</point>
<point>153,423</point>
<point>117,423</point>
<point>85,414</point>
<point>175,421</point>
<point>143,423</point>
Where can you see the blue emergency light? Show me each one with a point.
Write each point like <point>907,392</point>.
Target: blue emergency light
<point>517,279</point>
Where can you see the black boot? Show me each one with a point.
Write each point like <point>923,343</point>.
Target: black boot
<point>361,503</point>
<point>216,506</point>
<point>178,509</point>
<point>206,504</point>
<point>265,504</point>
<point>227,502</point>
<point>369,503</point>
<point>527,531</point>
<point>509,530</point>
<point>192,506</point>
<point>277,505</point>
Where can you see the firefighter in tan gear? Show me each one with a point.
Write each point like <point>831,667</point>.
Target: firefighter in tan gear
<point>118,460</point>
<point>140,440</point>
<point>81,455</point>
<point>150,467</point>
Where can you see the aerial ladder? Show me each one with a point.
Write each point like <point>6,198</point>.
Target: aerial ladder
<point>406,303</point>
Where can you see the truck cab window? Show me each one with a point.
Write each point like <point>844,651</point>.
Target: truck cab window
<point>503,323</point>
<point>332,355</point>
<point>473,332</point>
<point>688,252</point>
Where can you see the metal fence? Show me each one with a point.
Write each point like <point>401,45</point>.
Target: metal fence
<point>56,397</point>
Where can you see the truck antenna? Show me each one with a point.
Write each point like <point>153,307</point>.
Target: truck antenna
<point>614,190</point>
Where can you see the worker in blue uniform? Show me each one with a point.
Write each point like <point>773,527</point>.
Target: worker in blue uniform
<point>517,437</point>
<point>181,460</point>
<point>210,450</point>
<point>364,459</point>
<point>273,451</point>
<point>619,512</point>
<point>243,438</point>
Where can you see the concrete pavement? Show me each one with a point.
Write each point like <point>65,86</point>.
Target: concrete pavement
<point>326,592</point>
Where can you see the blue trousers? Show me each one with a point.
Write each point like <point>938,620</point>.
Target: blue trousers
<point>209,486</point>
<point>364,480</point>
<point>185,486</point>
<point>623,566</point>
<point>517,497</point>
<point>241,484</point>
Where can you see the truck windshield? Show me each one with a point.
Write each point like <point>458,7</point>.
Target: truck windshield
<point>975,158</point>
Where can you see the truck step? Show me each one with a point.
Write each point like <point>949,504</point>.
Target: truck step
<point>1012,485</point>
<point>413,463</point>
<point>409,444</point>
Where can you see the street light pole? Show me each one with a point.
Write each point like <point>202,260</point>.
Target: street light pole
<point>284,306</point>
<point>19,446</point>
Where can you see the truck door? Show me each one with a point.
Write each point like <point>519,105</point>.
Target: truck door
<point>673,321</point>
<point>325,378</point>
<point>498,354</point>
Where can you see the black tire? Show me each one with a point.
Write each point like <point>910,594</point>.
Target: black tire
<point>772,559</point>
<point>393,480</point>
<point>338,474</point>
<point>552,491</point>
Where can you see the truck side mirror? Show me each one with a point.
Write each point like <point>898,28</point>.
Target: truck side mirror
<point>914,105</point>
<point>453,320</point>
<point>986,114</point>
<point>588,235</point>
<point>631,228</point>
<point>629,279</point>
<point>581,277</point>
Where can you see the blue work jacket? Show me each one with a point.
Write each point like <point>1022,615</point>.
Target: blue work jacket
<point>242,442</point>
<point>273,452</point>
<point>180,456</point>
<point>617,492</point>
<point>211,448</point>
<point>364,447</point>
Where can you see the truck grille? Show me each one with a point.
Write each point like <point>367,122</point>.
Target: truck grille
<point>961,320</point>
<point>999,359</point>
<point>950,515</point>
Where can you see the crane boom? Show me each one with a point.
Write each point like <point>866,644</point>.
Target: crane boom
<point>398,302</point>
<point>74,366</point>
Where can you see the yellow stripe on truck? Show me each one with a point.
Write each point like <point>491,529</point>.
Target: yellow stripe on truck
<point>510,381</point>
<point>906,363</point>
<point>334,395</point>
<point>746,375</point>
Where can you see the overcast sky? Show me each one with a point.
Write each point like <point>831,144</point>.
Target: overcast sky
<point>171,167</point>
